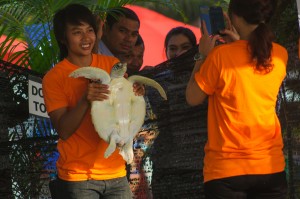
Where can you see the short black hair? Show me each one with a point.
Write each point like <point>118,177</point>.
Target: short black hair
<point>139,41</point>
<point>73,14</point>
<point>114,13</point>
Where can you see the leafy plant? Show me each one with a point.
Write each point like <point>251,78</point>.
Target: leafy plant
<point>31,22</point>
<point>191,9</point>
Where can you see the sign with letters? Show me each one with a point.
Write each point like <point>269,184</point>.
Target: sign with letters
<point>35,97</point>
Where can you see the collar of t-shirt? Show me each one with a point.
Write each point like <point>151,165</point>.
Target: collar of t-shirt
<point>102,49</point>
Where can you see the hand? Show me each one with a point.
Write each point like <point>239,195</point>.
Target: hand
<point>206,43</point>
<point>230,32</point>
<point>97,91</point>
<point>138,89</point>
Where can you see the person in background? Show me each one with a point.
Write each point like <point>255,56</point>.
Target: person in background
<point>177,172</point>
<point>135,57</point>
<point>83,172</point>
<point>136,173</point>
<point>120,38</point>
<point>120,32</point>
<point>99,31</point>
<point>179,40</point>
<point>243,154</point>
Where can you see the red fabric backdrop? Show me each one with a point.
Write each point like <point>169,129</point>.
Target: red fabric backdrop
<point>15,47</point>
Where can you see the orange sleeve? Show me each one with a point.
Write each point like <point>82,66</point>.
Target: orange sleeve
<point>52,90</point>
<point>208,76</point>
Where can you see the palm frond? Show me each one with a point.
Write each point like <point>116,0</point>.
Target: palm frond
<point>31,21</point>
<point>171,4</point>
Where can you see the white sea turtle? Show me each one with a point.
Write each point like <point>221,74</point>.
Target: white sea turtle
<point>119,118</point>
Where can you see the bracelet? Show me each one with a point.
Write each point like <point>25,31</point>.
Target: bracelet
<point>198,56</point>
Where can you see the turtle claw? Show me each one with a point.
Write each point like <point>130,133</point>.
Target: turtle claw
<point>113,140</point>
<point>110,149</point>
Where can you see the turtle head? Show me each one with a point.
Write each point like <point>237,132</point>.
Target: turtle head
<point>118,70</point>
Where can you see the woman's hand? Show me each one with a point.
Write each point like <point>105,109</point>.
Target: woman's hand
<point>230,32</point>
<point>207,42</point>
<point>138,89</point>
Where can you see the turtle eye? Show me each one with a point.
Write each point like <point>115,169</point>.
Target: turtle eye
<point>117,66</point>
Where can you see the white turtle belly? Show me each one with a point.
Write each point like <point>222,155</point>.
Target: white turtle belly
<point>118,119</point>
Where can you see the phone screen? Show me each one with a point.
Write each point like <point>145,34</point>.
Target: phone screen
<point>204,16</point>
<point>214,19</point>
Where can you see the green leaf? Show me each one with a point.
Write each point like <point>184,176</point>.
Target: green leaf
<point>42,53</point>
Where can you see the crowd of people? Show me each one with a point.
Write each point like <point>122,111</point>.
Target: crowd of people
<point>240,79</point>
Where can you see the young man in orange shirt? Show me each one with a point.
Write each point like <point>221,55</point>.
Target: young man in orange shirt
<point>83,172</point>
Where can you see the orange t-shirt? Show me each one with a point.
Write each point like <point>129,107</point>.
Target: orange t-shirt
<point>244,133</point>
<point>81,156</point>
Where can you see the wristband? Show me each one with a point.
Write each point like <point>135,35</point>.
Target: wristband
<point>198,56</point>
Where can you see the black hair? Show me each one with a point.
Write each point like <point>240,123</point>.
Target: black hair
<point>180,30</point>
<point>139,41</point>
<point>257,12</point>
<point>73,14</point>
<point>115,13</point>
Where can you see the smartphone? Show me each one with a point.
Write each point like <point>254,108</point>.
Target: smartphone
<point>217,21</point>
<point>204,16</point>
<point>214,19</point>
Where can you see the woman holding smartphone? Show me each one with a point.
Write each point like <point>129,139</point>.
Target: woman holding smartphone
<point>243,154</point>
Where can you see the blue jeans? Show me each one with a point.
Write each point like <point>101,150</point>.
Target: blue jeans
<point>117,188</point>
<point>268,186</point>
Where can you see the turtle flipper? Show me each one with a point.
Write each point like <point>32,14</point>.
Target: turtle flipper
<point>127,152</point>
<point>149,82</point>
<point>92,73</point>
<point>113,141</point>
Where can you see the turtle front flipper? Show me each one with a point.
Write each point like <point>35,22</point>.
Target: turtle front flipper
<point>149,82</point>
<point>92,73</point>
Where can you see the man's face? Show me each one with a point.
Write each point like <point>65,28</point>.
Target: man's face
<point>121,37</point>
<point>134,59</point>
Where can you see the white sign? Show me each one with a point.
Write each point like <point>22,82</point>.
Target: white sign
<point>35,97</point>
